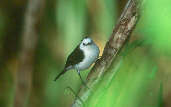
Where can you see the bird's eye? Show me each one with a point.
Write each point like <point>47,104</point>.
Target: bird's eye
<point>84,44</point>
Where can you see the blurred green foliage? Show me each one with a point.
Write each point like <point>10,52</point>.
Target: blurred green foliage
<point>134,84</point>
<point>156,24</point>
<point>137,79</point>
<point>71,21</point>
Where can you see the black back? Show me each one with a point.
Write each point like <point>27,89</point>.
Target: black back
<point>75,57</point>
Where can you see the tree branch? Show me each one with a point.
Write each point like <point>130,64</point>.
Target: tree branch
<point>28,45</point>
<point>120,34</point>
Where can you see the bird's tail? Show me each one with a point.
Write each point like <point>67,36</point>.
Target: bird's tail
<point>60,74</point>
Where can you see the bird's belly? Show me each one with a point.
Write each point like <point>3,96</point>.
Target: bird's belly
<point>87,62</point>
<point>91,53</point>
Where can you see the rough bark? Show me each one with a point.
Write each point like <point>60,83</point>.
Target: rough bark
<point>26,56</point>
<point>120,34</point>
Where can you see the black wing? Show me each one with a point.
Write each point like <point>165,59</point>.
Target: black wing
<point>75,57</point>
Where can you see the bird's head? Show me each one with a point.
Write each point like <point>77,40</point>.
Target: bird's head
<point>87,41</point>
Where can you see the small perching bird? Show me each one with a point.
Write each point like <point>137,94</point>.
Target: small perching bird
<point>83,56</point>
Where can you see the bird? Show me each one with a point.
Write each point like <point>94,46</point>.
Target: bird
<point>82,57</point>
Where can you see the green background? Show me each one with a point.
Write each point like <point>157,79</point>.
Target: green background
<point>142,73</point>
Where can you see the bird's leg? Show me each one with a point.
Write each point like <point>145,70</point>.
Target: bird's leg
<point>82,79</point>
